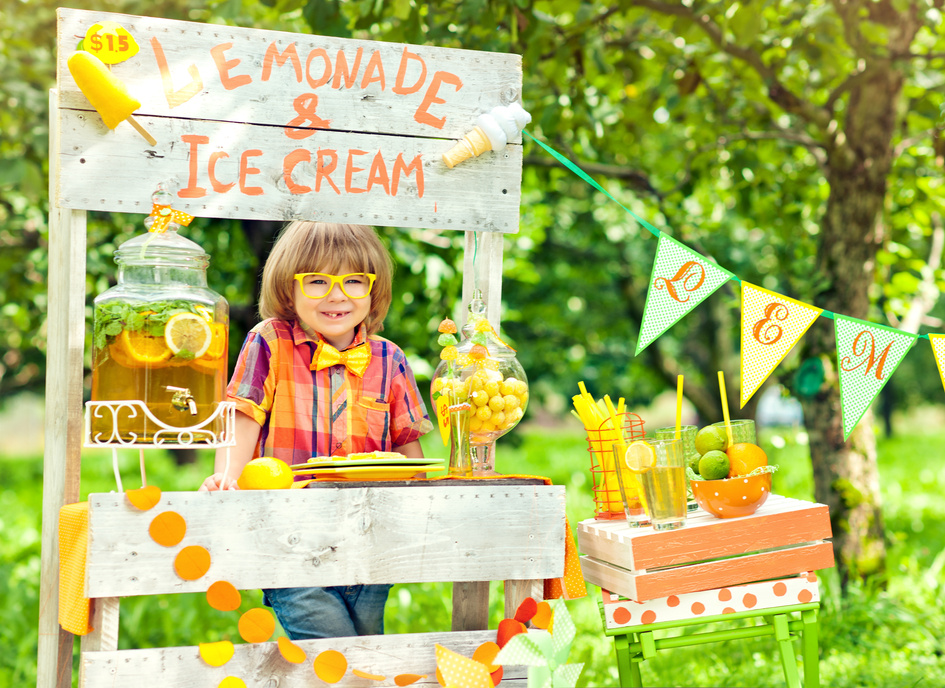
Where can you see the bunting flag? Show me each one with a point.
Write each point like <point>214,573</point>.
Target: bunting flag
<point>680,281</point>
<point>867,356</point>
<point>771,326</point>
<point>938,349</point>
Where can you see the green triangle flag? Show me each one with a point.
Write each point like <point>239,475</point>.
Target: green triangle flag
<point>680,281</point>
<point>867,356</point>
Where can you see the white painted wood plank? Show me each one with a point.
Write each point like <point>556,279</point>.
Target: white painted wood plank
<point>481,194</point>
<point>333,536</point>
<point>187,49</point>
<point>262,665</point>
<point>63,417</point>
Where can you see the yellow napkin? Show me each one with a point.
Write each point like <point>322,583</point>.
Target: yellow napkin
<point>74,606</point>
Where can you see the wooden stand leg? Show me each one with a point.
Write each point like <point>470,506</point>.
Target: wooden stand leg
<point>470,606</point>
<point>811,654</point>
<point>788,662</point>
<point>104,634</point>
<point>517,590</point>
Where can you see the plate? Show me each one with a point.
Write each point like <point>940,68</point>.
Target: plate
<point>371,472</point>
<point>323,462</point>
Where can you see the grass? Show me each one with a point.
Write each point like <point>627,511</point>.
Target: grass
<point>886,633</point>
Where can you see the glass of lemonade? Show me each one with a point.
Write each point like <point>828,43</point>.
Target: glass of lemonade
<point>687,435</point>
<point>664,484</point>
<point>631,489</point>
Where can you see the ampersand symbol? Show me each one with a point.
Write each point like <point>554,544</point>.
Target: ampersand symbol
<point>767,332</point>
<point>689,277</point>
<point>305,106</point>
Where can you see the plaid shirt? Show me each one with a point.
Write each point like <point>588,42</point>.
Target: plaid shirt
<point>330,412</point>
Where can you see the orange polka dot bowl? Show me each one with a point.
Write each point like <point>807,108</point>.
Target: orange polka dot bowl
<point>732,497</point>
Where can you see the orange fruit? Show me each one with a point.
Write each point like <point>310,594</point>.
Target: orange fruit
<point>265,473</point>
<point>139,350</point>
<point>744,458</point>
<point>217,346</point>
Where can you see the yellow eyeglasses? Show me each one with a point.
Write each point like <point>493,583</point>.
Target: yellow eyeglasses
<point>317,285</point>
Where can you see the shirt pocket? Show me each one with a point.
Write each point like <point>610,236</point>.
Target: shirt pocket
<point>371,430</point>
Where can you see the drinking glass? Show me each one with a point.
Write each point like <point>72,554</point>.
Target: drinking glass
<point>664,485</point>
<point>743,430</point>
<point>631,489</point>
<point>687,435</point>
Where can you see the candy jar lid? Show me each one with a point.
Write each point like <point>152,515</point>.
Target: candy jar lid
<point>161,244</point>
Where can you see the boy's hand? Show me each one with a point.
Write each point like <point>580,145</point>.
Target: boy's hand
<point>218,481</point>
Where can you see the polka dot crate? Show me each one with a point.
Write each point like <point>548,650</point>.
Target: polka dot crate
<point>620,612</point>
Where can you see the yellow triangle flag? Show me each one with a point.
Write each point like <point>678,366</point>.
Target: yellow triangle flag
<point>771,326</point>
<point>938,348</point>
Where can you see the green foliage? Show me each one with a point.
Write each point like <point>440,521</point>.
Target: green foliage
<point>150,317</point>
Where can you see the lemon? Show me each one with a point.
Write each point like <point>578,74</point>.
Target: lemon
<point>188,332</point>
<point>265,473</point>
<point>711,438</point>
<point>714,465</point>
<point>640,457</point>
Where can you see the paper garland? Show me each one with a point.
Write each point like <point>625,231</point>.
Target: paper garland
<point>680,281</point>
<point>867,356</point>
<point>938,349</point>
<point>771,326</point>
<point>545,654</point>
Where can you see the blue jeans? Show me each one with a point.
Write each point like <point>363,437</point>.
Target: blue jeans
<point>343,610</point>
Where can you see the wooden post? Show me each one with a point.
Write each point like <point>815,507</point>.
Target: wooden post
<point>63,423</point>
<point>482,268</point>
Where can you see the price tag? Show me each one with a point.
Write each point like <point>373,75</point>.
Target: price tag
<point>110,42</point>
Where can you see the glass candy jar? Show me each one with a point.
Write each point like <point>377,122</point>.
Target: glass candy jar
<point>159,343</point>
<point>481,385</point>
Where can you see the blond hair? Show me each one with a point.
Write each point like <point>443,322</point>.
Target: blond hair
<point>304,246</point>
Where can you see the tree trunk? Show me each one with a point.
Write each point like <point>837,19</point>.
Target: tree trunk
<point>846,476</point>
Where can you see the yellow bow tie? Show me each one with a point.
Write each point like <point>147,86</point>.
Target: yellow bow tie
<point>356,360</point>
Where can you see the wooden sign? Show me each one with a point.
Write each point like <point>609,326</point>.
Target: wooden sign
<point>274,125</point>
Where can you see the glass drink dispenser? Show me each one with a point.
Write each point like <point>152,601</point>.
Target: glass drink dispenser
<point>159,349</point>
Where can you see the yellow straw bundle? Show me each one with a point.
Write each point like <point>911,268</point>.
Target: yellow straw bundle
<point>601,422</point>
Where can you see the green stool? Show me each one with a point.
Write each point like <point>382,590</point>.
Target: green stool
<point>634,644</point>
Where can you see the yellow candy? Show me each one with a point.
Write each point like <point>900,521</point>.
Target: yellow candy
<point>487,427</point>
<point>500,420</point>
<point>483,413</point>
<point>480,398</point>
<point>508,386</point>
<point>483,326</point>
<point>476,381</point>
<point>512,402</point>
<point>492,388</point>
<point>438,384</point>
<point>475,424</point>
<point>497,403</point>
<point>449,353</point>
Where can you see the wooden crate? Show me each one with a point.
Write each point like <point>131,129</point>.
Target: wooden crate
<point>784,538</point>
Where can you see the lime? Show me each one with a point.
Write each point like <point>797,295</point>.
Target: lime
<point>693,462</point>
<point>711,438</point>
<point>640,457</point>
<point>714,465</point>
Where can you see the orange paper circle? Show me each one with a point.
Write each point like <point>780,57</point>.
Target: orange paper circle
<point>216,654</point>
<point>290,651</point>
<point>257,625</point>
<point>526,610</point>
<point>508,628</point>
<point>330,666</point>
<point>406,679</point>
<point>167,528</point>
<point>192,562</point>
<point>144,498</point>
<point>370,677</point>
<point>223,596</point>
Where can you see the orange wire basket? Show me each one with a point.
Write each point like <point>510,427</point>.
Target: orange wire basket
<point>600,445</point>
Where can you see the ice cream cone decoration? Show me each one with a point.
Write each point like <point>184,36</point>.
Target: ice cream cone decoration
<point>493,131</point>
<point>105,92</point>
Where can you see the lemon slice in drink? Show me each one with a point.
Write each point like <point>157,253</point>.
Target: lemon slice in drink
<point>640,457</point>
<point>188,332</point>
<point>139,350</point>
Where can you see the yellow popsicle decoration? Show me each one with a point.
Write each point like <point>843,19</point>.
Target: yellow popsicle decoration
<point>105,92</point>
